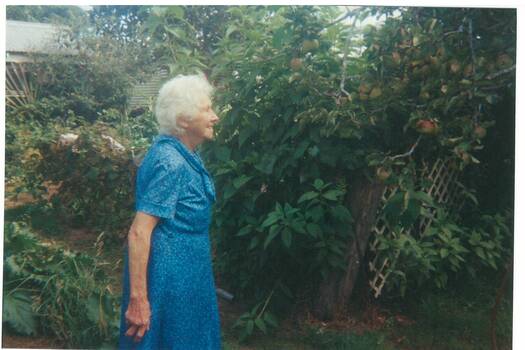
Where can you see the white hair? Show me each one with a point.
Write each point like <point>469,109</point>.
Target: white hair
<point>180,96</point>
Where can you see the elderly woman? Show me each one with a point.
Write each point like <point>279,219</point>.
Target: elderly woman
<point>169,299</point>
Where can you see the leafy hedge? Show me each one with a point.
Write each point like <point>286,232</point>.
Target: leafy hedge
<point>51,290</point>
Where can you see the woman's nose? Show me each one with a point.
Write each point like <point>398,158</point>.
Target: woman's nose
<point>214,117</point>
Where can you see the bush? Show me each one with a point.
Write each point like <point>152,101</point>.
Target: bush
<point>54,291</point>
<point>95,174</point>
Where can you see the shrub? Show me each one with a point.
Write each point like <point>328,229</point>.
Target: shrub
<point>51,290</point>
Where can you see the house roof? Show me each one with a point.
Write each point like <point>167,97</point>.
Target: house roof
<point>31,37</point>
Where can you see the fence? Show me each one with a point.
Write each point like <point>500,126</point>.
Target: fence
<point>445,189</point>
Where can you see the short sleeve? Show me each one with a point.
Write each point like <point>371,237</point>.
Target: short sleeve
<point>159,190</point>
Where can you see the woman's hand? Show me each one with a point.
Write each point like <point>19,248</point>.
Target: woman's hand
<point>139,312</point>
<point>138,318</point>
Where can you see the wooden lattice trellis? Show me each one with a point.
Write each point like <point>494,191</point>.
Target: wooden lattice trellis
<point>444,188</point>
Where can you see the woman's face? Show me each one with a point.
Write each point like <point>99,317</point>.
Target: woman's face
<point>200,127</point>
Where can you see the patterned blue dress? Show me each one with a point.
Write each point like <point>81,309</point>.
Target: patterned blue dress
<point>173,185</point>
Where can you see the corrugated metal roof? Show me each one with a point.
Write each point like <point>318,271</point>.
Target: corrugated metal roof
<point>32,37</point>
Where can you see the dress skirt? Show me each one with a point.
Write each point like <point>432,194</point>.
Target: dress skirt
<point>181,293</point>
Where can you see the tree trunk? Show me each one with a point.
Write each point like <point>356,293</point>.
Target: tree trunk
<point>336,290</point>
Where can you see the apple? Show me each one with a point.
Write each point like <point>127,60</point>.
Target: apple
<point>504,60</point>
<point>382,174</point>
<point>416,40</point>
<point>468,70</point>
<point>454,66</point>
<point>480,131</point>
<point>294,77</point>
<point>296,64</point>
<point>465,157</point>
<point>310,45</point>
<point>376,92</point>
<point>424,95</point>
<point>426,126</point>
<point>396,57</point>
<point>364,88</point>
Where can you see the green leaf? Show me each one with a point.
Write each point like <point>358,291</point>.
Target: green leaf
<point>244,231</point>
<point>423,197</point>
<point>249,327</point>
<point>253,243</point>
<point>272,218</point>
<point>341,213</point>
<point>158,11</point>
<point>223,154</point>
<point>176,32</point>
<point>266,164</point>
<point>239,181</point>
<point>176,11</point>
<point>480,252</point>
<point>229,191</point>
<point>232,28</point>
<point>318,184</point>
<point>17,311</point>
<point>280,37</point>
<point>287,237</point>
<point>314,229</point>
<point>271,235</point>
<point>93,309</point>
<point>299,151</point>
<point>313,151</point>
<point>243,135</point>
<point>411,213</point>
<point>332,195</point>
<point>259,322</point>
<point>298,226</point>
<point>270,319</point>
<point>92,174</point>
<point>308,196</point>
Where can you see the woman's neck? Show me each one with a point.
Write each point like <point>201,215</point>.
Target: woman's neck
<point>188,141</point>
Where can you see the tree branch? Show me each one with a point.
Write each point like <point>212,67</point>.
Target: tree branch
<point>471,43</point>
<point>346,15</point>
<point>409,153</point>
<point>503,71</point>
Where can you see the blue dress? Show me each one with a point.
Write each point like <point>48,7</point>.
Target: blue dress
<point>173,185</point>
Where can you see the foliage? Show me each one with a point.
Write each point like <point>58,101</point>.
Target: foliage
<point>300,103</point>
<point>55,291</point>
<point>258,317</point>
<point>308,104</point>
<point>445,248</point>
<point>87,83</point>
<point>95,175</point>
<point>46,14</point>
<point>274,174</point>
<point>95,179</point>
<point>121,22</point>
<point>81,91</point>
<point>40,216</point>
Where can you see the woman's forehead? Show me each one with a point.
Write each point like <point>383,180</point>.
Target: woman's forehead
<point>205,102</point>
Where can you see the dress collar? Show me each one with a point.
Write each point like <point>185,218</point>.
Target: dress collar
<point>193,159</point>
<point>191,156</point>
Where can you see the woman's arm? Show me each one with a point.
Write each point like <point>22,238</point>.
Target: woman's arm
<point>139,237</point>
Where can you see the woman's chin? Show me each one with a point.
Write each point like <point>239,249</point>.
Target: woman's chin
<point>210,135</point>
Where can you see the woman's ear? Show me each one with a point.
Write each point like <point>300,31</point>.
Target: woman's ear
<point>183,122</point>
